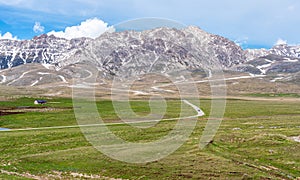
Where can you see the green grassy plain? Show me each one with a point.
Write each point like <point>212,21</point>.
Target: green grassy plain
<point>252,143</point>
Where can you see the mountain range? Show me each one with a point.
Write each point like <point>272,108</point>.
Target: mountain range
<point>136,52</point>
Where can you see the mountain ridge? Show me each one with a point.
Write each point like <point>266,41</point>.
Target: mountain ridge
<point>134,52</point>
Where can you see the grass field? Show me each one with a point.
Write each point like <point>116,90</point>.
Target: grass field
<point>252,143</point>
<point>275,95</point>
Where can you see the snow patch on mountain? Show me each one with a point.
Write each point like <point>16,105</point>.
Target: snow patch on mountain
<point>3,79</point>
<point>63,78</point>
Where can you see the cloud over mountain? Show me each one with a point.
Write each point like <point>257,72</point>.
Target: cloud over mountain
<point>8,35</point>
<point>38,28</point>
<point>91,28</point>
<point>280,42</point>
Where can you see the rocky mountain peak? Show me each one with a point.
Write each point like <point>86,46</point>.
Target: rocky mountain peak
<point>163,48</point>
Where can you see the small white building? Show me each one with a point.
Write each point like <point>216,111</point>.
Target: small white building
<point>40,101</point>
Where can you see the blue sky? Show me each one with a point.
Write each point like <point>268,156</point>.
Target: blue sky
<point>252,23</point>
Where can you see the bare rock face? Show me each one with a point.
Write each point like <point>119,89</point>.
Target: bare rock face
<point>113,49</point>
<point>279,59</point>
<point>283,50</point>
<point>160,50</point>
<point>42,49</point>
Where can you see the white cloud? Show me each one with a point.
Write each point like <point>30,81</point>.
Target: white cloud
<point>280,42</point>
<point>8,35</point>
<point>38,28</point>
<point>91,28</point>
<point>242,41</point>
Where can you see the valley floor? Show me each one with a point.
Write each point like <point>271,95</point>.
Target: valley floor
<point>255,140</point>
